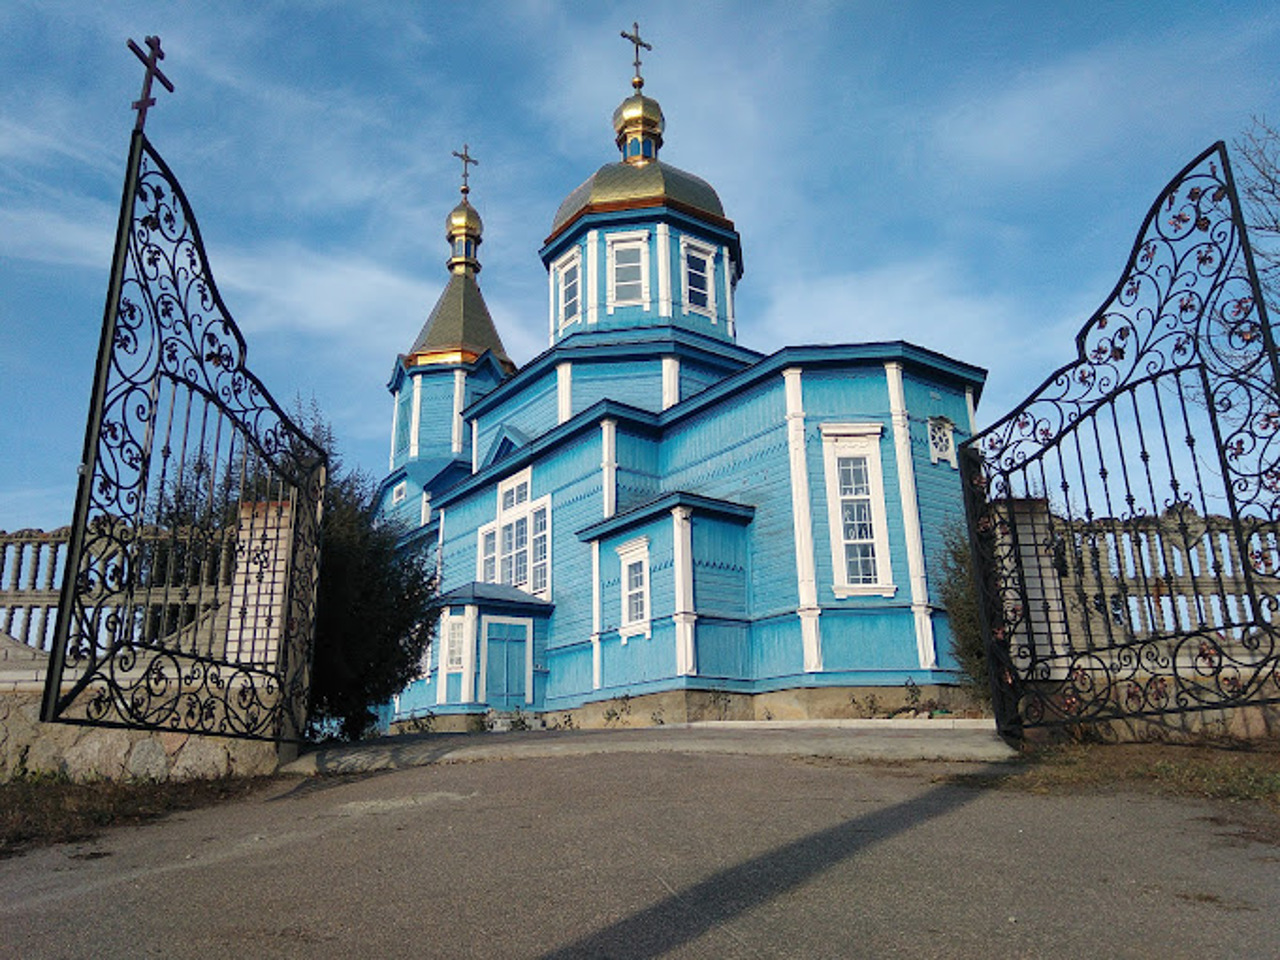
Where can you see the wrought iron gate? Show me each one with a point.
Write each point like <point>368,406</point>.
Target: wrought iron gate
<point>1125,518</point>
<point>189,589</point>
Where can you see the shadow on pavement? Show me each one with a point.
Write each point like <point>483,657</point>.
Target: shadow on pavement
<point>687,914</point>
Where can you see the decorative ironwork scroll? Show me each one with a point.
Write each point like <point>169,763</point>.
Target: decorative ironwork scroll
<point>1125,519</point>
<point>188,601</point>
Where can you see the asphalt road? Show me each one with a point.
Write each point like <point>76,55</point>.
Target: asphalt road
<point>641,853</point>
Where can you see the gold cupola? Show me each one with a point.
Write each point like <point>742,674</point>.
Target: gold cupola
<point>459,328</point>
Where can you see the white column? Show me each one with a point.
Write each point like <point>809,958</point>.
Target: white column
<point>552,307</point>
<point>911,517</point>
<point>459,398</point>
<point>664,270</point>
<point>802,518</point>
<point>442,656</point>
<point>592,285</point>
<point>564,391</point>
<point>609,465</point>
<point>968,402</point>
<point>395,422</point>
<point>728,292</point>
<point>415,416</point>
<point>684,616</point>
<point>670,381</point>
<point>528,661</point>
<point>475,446</point>
<point>470,643</point>
<point>595,615</point>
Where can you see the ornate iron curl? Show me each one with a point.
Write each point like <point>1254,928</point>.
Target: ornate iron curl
<point>1185,325</point>
<point>170,350</point>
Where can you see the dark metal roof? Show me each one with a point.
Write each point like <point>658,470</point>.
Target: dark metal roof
<point>460,321</point>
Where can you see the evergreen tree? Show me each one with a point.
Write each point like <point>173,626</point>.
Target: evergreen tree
<point>375,614</point>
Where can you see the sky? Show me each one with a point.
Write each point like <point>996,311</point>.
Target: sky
<point>967,177</point>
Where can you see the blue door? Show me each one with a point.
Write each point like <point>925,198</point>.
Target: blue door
<point>504,674</point>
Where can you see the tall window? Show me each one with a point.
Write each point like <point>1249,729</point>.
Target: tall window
<point>633,557</point>
<point>515,549</point>
<point>568,288</point>
<point>855,509</point>
<point>628,265</point>
<point>697,262</point>
<point>453,643</point>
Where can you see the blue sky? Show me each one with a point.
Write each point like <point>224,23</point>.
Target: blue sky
<point>968,177</point>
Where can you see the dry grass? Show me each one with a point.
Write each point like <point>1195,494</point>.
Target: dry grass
<point>37,811</point>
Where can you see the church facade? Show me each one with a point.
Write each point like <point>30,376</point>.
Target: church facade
<point>649,508</point>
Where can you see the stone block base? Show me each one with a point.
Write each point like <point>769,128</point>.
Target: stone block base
<point>29,747</point>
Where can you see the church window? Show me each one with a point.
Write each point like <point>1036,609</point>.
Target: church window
<point>568,277</point>
<point>628,264</point>
<point>453,646</point>
<point>515,549</point>
<point>399,492</point>
<point>855,508</point>
<point>698,277</point>
<point>942,441</point>
<point>634,559</point>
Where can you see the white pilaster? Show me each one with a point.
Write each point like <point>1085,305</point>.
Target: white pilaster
<point>459,401</point>
<point>564,391</point>
<point>593,276</point>
<point>415,417</point>
<point>469,650</point>
<point>664,270</point>
<point>395,422</point>
<point>670,381</point>
<point>969,404</point>
<point>802,519</point>
<point>609,465</point>
<point>595,615</point>
<point>553,305</point>
<point>475,447</point>
<point>728,291</point>
<point>684,616</point>
<point>911,516</point>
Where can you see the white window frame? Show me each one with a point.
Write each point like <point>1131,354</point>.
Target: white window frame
<point>631,239</point>
<point>572,259</point>
<point>453,651</point>
<point>942,441</point>
<point>843,440</point>
<point>399,492</point>
<point>631,553</point>
<point>425,516</point>
<point>688,246</point>
<point>514,536</point>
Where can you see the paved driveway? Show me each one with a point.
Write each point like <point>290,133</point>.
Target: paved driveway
<point>641,853</point>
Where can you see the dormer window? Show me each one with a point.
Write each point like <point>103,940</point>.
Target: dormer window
<point>698,277</point>
<point>628,264</point>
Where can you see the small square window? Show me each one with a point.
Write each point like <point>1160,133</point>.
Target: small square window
<point>399,492</point>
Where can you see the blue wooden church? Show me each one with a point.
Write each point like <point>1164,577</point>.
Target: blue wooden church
<point>649,517</point>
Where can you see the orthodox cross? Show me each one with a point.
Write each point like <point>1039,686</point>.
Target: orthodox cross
<point>150,61</point>
<point>634,38</point>
<point>467,160</point>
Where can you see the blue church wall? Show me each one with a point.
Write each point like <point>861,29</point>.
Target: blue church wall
<point>724,649</point>
<point>696,377</point>
<point>532,410</point>
<point>637,476</point>
<point>435,411</point>
<point>720,568</point>
<point>775,643</point>
<point>868,639</point>
<point>640,386</point>
<point>404,418</point>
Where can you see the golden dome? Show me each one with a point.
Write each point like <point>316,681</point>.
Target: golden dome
<point>463,219</point>
<point>638,109</point>
<point>620,186</point>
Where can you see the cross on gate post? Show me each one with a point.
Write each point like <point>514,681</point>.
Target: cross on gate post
<point>150,61</point>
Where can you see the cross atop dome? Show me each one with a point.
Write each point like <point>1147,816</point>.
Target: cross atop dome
<point>634,38</point>
<point>467,161</point>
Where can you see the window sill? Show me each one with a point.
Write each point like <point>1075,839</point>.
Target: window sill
<point>640,629</point>
<point>844,590</point>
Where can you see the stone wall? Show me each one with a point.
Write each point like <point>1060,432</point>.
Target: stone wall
<point>29,747</point>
